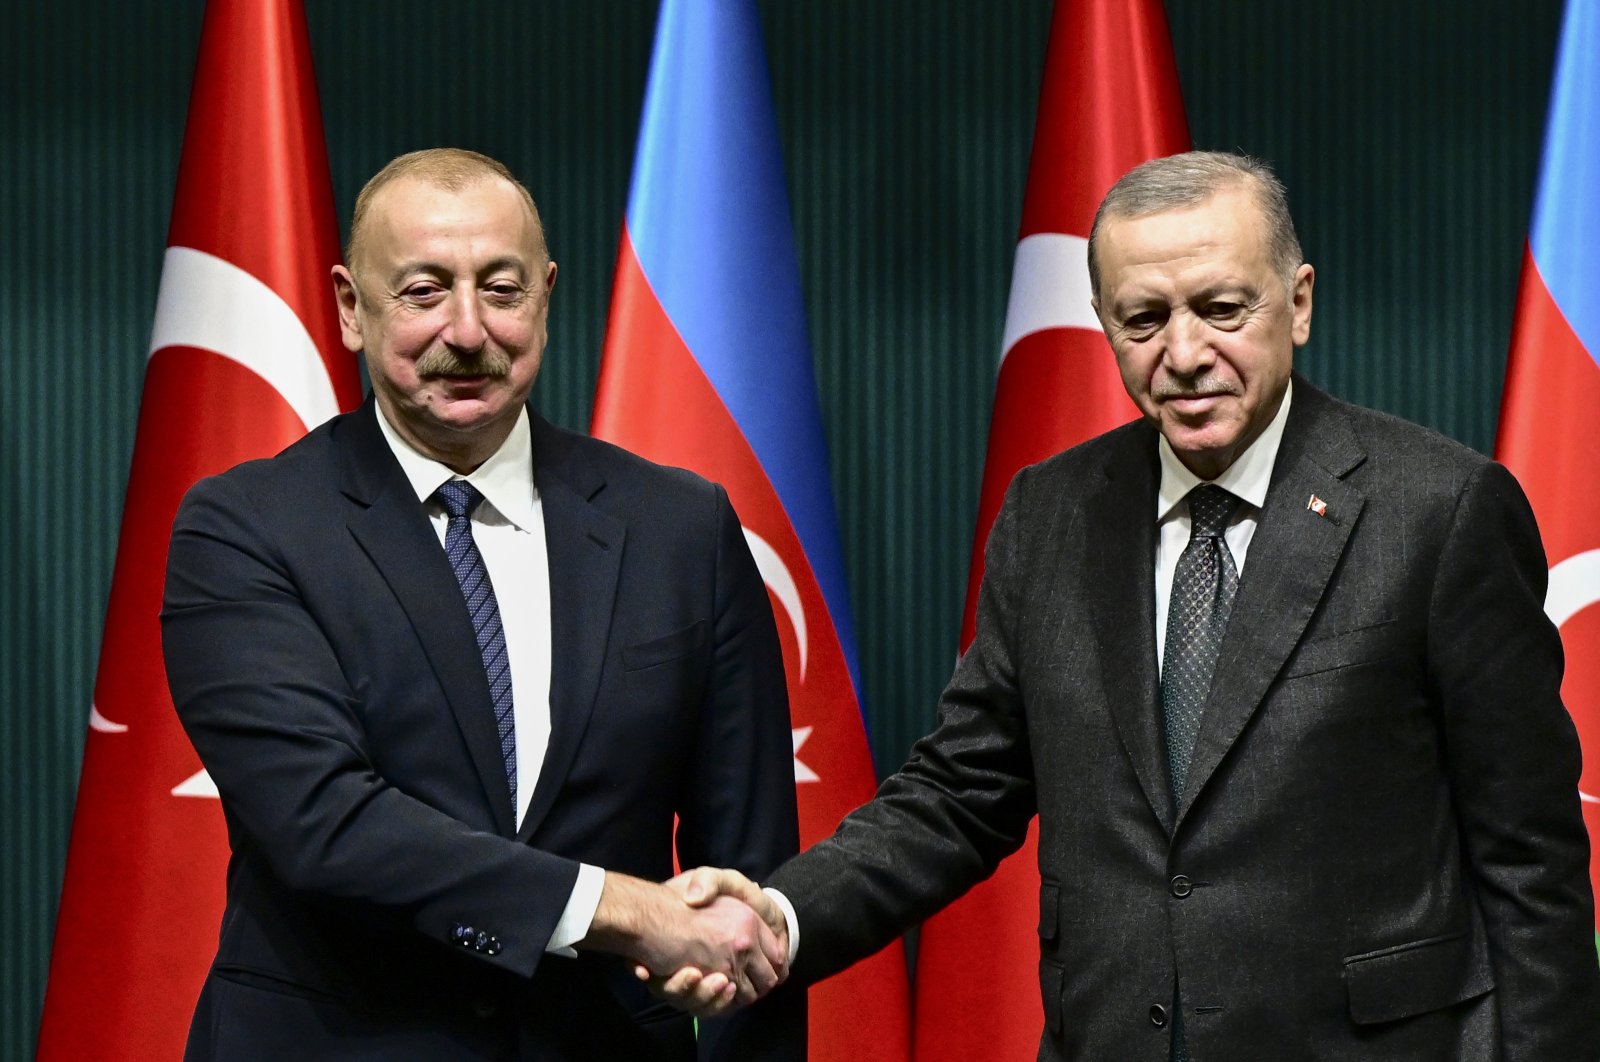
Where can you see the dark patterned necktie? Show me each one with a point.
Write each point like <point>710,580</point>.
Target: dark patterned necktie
<point>459,499</point>
<point>1203,585</point>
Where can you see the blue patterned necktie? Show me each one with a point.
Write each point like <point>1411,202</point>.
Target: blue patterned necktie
<point>459,499</point>
<point>1203,584</point>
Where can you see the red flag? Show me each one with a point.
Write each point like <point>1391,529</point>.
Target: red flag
<point>245,357</point>
<point>1547,435</point>
<point>1109,101</point>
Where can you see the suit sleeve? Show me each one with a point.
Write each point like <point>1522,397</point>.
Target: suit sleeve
<point>738,808</point>
<point>1514,761</point>
<point>960,804</point>
<point>262,696</point>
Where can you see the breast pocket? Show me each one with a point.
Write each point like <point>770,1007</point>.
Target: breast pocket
<point>1353,647</point>
<point>665,649</point>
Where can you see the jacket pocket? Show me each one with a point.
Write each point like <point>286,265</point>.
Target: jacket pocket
<point>1366,644</point>
<point>1416,977</point>
<point>665,648</point>
<point>1052,979</point>
<point>1049,911</point>
<point>269,982</point>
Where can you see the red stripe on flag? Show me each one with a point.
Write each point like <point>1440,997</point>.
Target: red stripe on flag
<point>1547,439</point>
<point>654,399</point>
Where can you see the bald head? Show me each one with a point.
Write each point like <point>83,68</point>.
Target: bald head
<point>451,169</point>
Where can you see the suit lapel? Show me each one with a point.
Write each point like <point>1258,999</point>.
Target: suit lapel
<point>1120,587</point>
<point>392,528</point>
<point>584,546</point>
<point>1292,557</point>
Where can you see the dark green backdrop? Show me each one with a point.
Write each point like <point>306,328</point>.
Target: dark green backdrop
<point>1408,134</point>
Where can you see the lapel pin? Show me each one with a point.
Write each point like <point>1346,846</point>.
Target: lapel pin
<point>1317,505</point>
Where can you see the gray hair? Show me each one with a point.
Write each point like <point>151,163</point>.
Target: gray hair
<point>1189,179</point>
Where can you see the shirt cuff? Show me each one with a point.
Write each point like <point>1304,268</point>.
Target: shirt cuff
<point>579,913</point>
<point>789,919</point>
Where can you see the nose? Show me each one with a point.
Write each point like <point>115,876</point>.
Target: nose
<point>465,331</point>
<point>1187,351</point>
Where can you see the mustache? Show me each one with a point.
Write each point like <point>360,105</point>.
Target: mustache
<point>441,361</point>
<point>1168,387</point>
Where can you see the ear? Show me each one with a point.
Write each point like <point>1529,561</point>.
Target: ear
<point>549,279</point>
<point>1300,303</point>
<point>348,299</point>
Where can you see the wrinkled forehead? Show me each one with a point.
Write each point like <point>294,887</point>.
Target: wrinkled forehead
<point>1225,229</point>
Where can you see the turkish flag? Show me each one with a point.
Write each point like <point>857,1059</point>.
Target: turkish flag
<point>1547,436</point>
<point>1109,101</point>
<point>244,358</point>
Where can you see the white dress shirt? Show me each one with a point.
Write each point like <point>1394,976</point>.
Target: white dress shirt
<point>1247,478</point>
<point>508,529</point>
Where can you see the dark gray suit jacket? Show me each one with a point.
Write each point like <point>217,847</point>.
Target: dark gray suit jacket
<point>1380,853</point>
<point>381,901</point>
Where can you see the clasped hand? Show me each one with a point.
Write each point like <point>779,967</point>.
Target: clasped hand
<point>735,947</point>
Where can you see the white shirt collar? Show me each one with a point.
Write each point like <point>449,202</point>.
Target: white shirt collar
<point>505,479</point>
<point>1248,477</point>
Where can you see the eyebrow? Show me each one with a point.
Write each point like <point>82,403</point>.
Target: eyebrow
<point>423,265</point>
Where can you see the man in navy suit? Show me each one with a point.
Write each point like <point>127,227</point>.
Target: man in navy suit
<point>459,675</point>
<point>1275,675</point>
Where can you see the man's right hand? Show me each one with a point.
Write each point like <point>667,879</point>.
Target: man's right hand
<point>702,992</point>
<point>735,956</point>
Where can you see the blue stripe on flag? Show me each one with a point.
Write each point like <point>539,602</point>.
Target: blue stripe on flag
<point>1566,212</point>
<point>709,219</point>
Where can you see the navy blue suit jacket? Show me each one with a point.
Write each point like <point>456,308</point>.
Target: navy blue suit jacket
<point>322,661</point>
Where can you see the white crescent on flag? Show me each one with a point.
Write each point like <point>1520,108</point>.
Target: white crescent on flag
<point>1574,586</point>
<point>1049,288</point>
<point>781,582</point>
<point>212,304</point>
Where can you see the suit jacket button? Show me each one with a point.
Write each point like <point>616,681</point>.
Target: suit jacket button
<point>481,941</point>
<point>464,935</point>
<point>484,1008</point>
<point>1158,1015</point>
<point>493,947</point>
<point>1182,886</point>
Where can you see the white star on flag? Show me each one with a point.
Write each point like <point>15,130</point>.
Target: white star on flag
<point>802,773</point>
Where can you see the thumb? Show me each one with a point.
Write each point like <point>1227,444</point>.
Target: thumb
<point>696,887</point>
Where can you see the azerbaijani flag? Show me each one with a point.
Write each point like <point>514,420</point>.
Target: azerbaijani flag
<point>707,366</point>
<point>1547,414</point>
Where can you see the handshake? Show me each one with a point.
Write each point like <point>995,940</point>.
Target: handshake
<point>708,941</point>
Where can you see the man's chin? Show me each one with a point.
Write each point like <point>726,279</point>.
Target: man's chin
<point>1206,450</point>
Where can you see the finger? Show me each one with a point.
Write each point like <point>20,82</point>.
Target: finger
<point>775,950</point>
<point>704,996</point>
<point>715,994</point>
<point>757,978</point>
<point>675,988</point>
<point>698,886</point>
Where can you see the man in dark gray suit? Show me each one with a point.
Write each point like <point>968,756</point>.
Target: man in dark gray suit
<point>1275,675</point>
